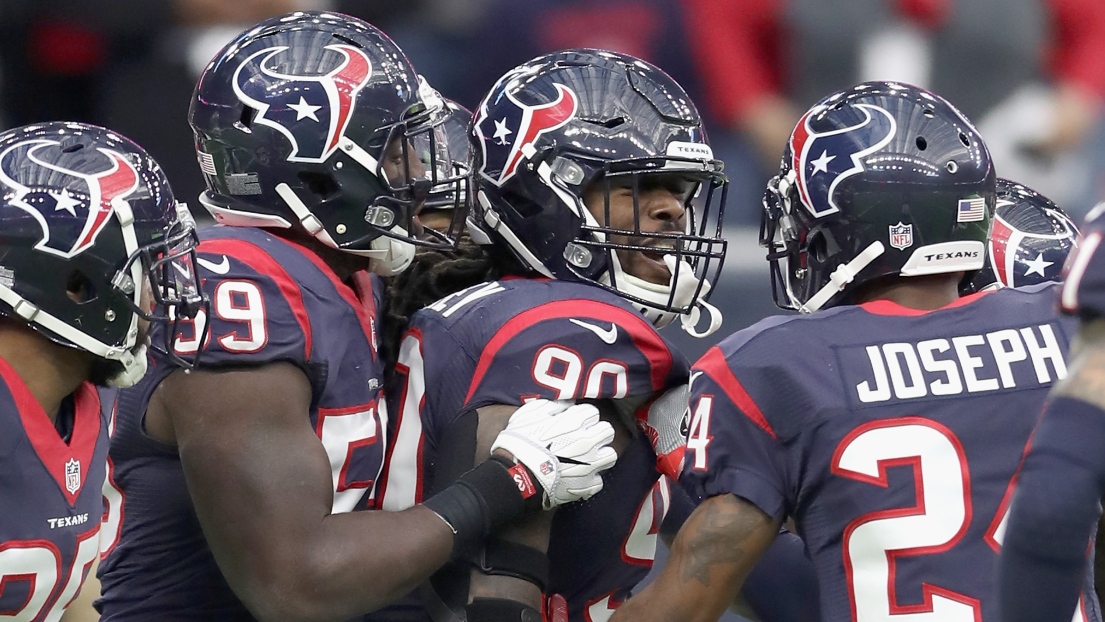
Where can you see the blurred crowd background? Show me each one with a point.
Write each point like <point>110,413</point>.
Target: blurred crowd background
<point>1030,73</point>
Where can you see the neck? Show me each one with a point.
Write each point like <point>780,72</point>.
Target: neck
<point>342,263</point>
<point>923,293</point>
<point>49,370</point>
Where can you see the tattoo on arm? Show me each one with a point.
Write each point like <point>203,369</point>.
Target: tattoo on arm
<point>728,535</point>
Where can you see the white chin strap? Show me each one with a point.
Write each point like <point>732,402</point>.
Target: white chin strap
<point>685,283</point>
<point>134,367</point>
<point>132,359</point>
<point>389,255</point>
<point>841,277</point>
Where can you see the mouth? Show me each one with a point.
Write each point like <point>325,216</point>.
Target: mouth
<point>657,270</point>
<point>658,249</point>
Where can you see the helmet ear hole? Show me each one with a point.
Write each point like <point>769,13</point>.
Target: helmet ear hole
<point>79,288</point>
<point>320,184</point>
<point>246,120</point>
<point>817,247</point>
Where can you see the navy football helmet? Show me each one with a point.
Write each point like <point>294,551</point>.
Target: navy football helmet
<point>578,121</point>
<point>319,120</point>
<point>1030,239</point>
<point>879,180</point>
<point>87,221</point>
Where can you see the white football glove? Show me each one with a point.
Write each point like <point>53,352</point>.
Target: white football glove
<point>665,424</point>
<point>563,444</point>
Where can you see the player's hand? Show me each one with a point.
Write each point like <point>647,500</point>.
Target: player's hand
<point>563,444</point>
<point>665,424</point>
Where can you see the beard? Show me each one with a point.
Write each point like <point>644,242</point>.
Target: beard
<point>103,370</point>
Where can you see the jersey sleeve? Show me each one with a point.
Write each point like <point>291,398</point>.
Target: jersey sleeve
<point>433,364</point>
<point>1083,291</point>
<point>257,312</point>
<point>731,446</point>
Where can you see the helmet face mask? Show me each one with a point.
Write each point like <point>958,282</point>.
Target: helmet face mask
<point>879,181</point>
<point>444,207</point>
<point>592,166</point>
<point>318,120</point>
<point>641,225</point>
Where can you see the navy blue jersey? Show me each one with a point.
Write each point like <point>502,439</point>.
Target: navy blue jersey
<point>50,492</point>
<point>891,436</point>
<point>507,341</point>
<point>271,301</point>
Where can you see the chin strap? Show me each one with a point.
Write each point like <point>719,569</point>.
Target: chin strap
<point>686,285</point>
<point>677,292</point>
<point>134,367</point>
<point>842,276</point>
<point>389,255</point>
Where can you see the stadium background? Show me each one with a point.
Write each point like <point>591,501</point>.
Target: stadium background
<point>1030,73</point>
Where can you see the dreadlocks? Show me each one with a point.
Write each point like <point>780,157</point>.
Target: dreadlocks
<point>432,276</point>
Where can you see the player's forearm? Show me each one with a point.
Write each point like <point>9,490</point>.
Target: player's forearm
<point>354,563</point>
<point>1044,555</point>
<point>711,556</point>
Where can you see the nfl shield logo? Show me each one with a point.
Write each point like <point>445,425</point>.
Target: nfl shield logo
<point>72,476</point>
<point>901,236</point>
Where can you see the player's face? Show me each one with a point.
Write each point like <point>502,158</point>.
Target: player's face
<point>438,219</point>
<point>146,303</point>
<point>401,165</point>
<point>659,208</point>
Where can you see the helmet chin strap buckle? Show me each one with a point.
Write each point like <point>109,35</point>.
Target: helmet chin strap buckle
<point>842,276</point>
<point>310,223</point>
<point>134,368</point>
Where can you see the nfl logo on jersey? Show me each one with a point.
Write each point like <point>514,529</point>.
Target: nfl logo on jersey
<point>901,236</point>
<point>72,475</point>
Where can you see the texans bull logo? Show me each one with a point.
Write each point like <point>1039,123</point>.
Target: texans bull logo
<point>89,198</point>
<point>300,106</point>
<point>1021,258</point>
<point>515,125</point>
<point>824,159</point>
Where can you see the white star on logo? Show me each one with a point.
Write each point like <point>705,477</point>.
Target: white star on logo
<point>303,110</point>
<point>822,164</point>
<point>1037,265</point>
<point>64,202</point>
<point>501,131</point>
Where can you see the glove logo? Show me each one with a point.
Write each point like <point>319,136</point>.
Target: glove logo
<point>515,125</point>
<point>294,105</point>
<point>824,159</point>
<point>89,199</point>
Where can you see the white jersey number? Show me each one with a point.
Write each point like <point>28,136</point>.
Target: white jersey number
<point>873,541</point>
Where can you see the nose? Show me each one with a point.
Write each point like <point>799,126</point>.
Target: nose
<point>416,168</point>
<point>665,207</point>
